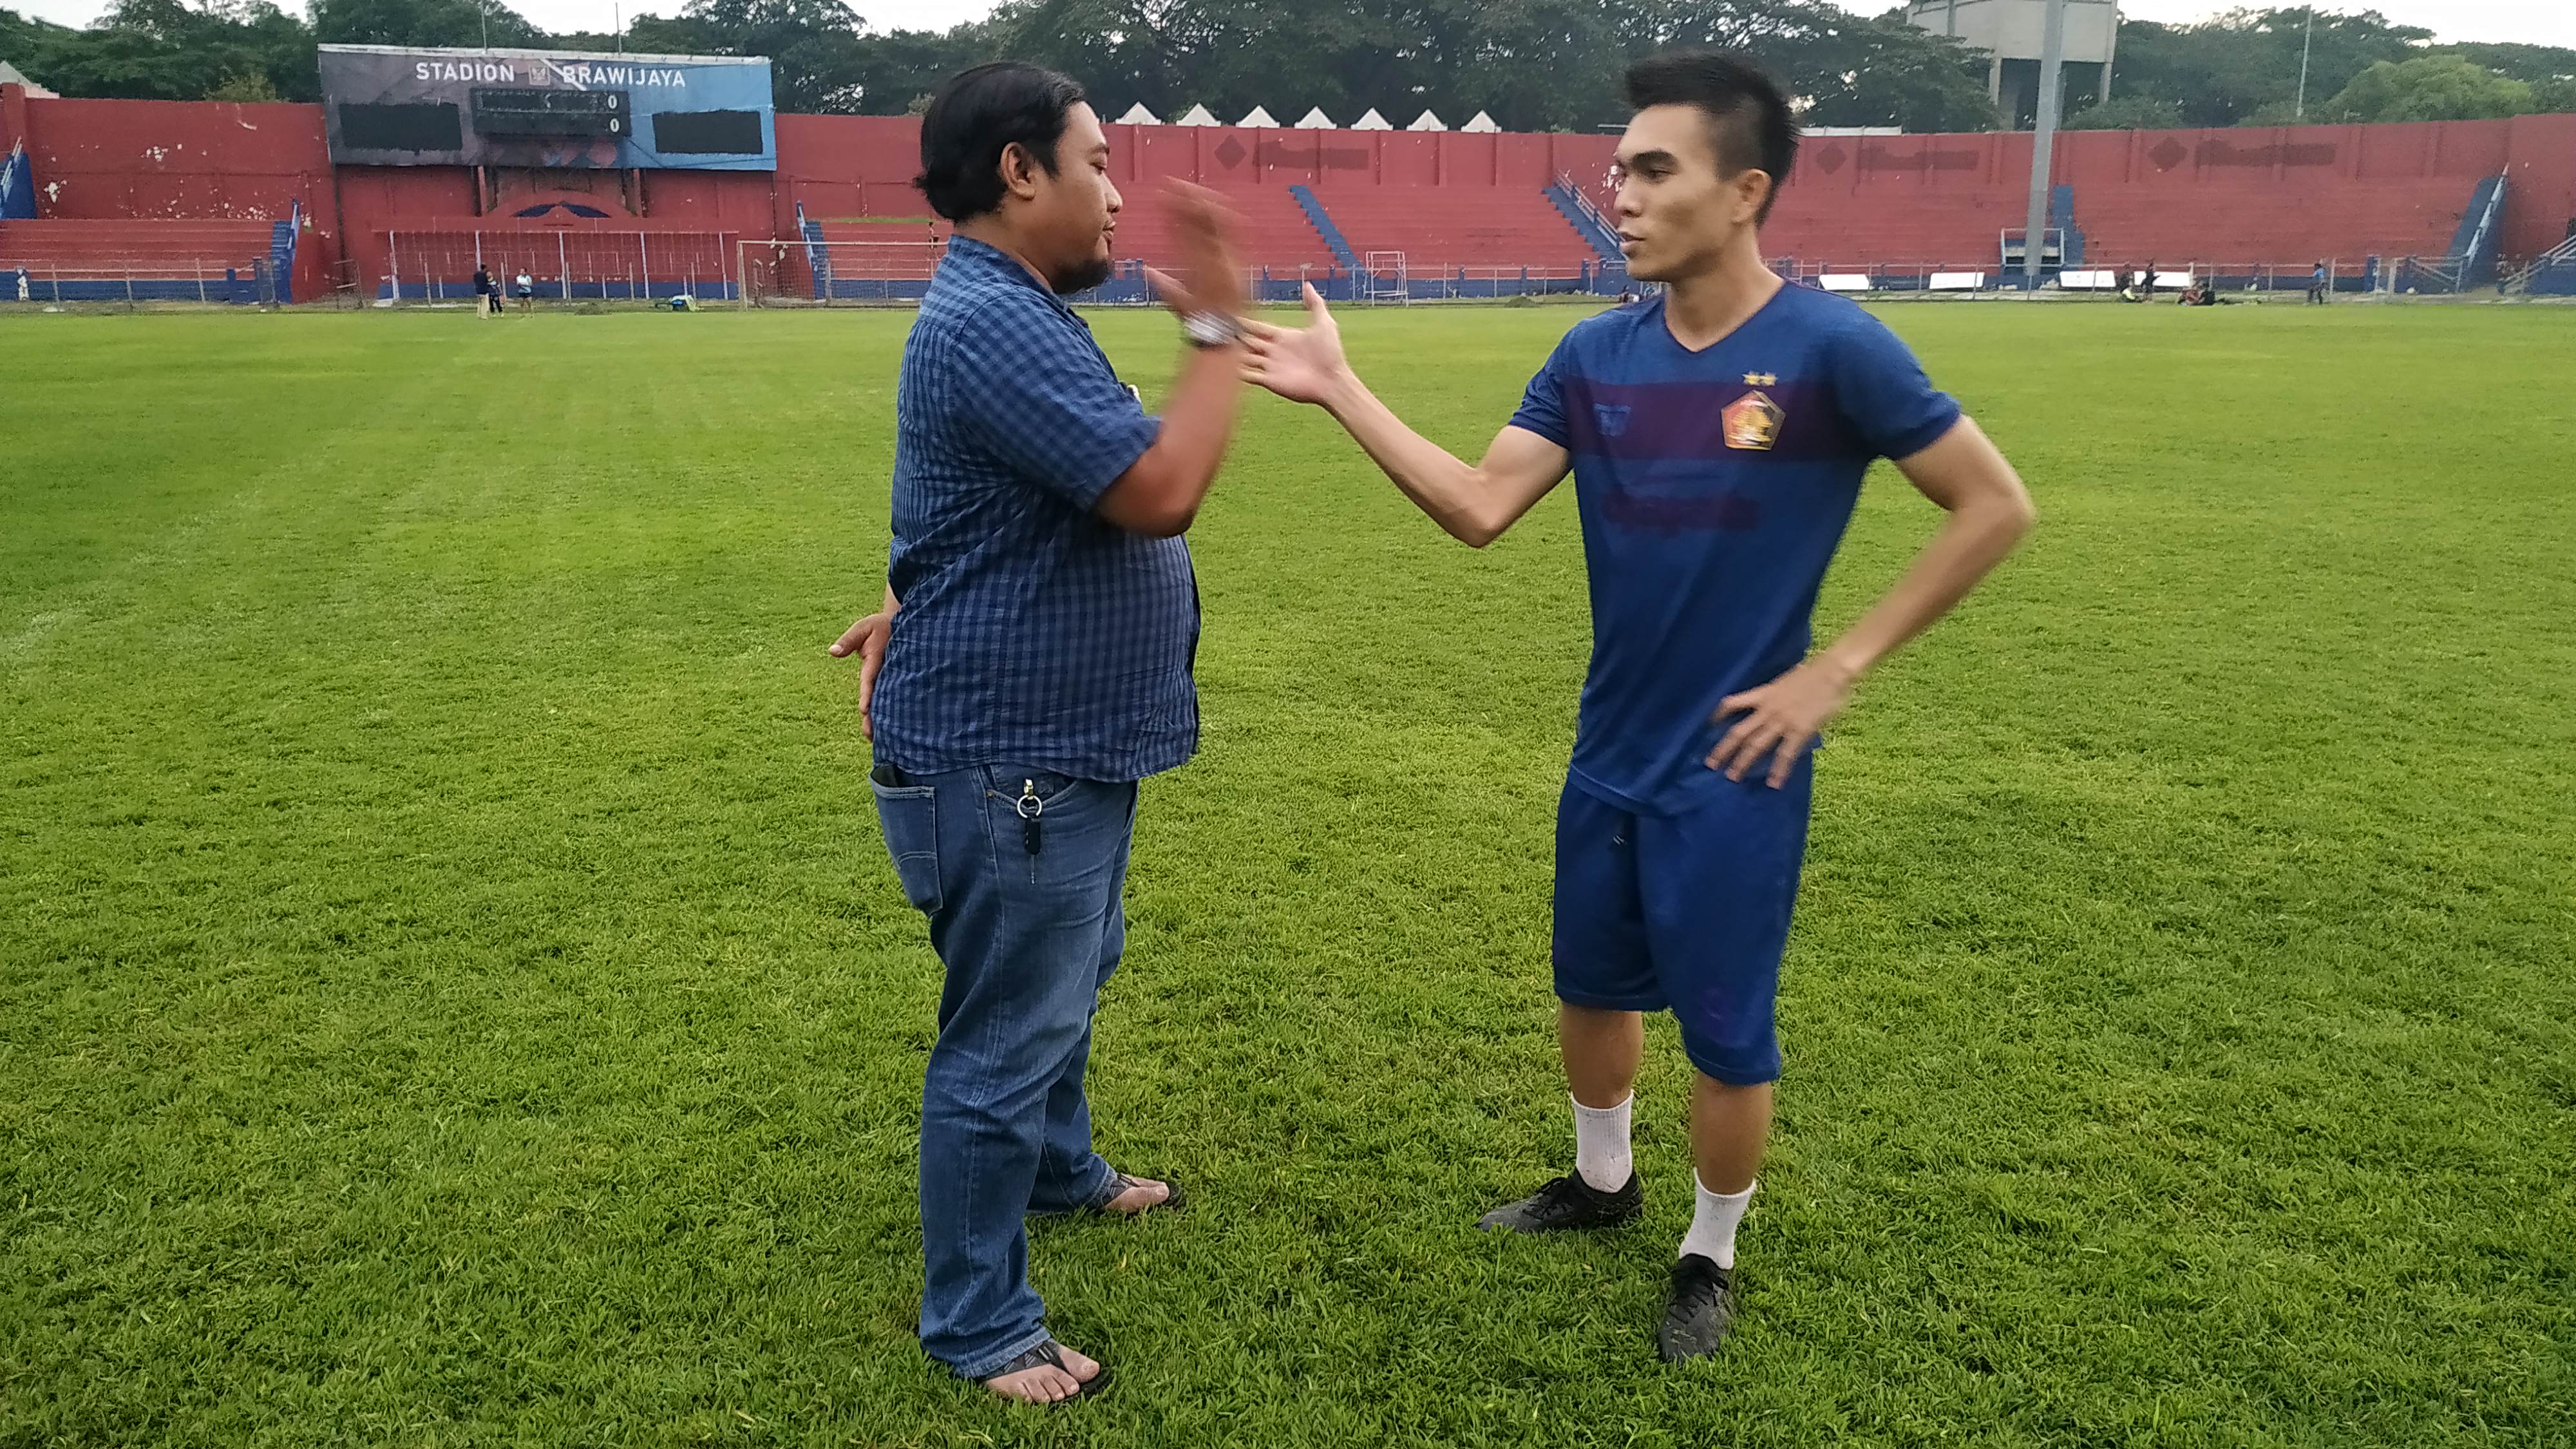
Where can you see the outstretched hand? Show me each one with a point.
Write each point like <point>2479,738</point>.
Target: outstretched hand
<point>1211,275</point>
<point>1300,364</point>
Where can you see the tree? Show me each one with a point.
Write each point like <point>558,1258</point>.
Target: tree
<point>164,50</point>
<point>2127,113</point>
<point>2221,70</point>
<point>2429,88</point>
<point>420,22</point>
<point>248,85</point>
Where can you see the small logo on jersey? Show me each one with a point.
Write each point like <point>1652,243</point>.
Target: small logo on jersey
<point>1753,422</point>
<point>1761,379</point>
<point>1613,418</point>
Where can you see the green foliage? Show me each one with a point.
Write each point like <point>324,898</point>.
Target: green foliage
<point>452,991</point>
<point>419,22</point>
<point>164,50</point>
<point>2429,88</point>
<point>2127,113</point>
<point>244,86</point>
<point>2220,71</point>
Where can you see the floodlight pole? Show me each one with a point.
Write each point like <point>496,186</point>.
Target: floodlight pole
<point>2043,139</point>
<point>2307,41</point>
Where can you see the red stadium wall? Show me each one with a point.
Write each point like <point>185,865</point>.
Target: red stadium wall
<point>2271,195</point>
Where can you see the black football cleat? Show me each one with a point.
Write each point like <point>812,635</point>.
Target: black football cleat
<point>1698,1310</point>
<point>1568,1203</point>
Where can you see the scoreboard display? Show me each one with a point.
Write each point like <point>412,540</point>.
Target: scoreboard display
<point>398,106</point>
<point>529,111</point>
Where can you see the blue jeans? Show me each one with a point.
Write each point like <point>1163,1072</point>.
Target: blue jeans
<point>1028,937</point>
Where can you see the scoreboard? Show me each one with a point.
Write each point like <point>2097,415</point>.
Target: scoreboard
<point>397,106</point>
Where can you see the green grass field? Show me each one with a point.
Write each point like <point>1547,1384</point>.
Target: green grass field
<point>451,990</point>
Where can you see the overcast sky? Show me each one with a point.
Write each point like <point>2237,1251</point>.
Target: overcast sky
<point>2541,22</point>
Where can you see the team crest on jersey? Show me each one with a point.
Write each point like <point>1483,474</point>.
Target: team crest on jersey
<point>1613,418</point>
<point>1753,422</point>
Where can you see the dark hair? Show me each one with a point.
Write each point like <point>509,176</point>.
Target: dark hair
<point>978,114</point>
<point>1749,121</point>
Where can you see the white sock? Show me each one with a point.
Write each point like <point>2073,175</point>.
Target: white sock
<point>1601,1145</point>
<point>1712,1229</point>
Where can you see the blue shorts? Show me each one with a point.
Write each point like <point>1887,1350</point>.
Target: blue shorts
<point>1684,912</point>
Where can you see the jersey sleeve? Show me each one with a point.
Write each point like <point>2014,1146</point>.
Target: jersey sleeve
<point>1885,399</point>
<point>1542,409</point>
<point>1046,402</point>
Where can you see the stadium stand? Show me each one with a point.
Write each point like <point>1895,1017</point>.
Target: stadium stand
<point>127,181</point>
<point>1465,227</point>
<point>82,260</point>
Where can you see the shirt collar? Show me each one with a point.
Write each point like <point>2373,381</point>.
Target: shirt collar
<point>985,261</point>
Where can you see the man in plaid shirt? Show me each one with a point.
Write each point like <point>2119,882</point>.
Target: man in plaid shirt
<point>1030,665</point>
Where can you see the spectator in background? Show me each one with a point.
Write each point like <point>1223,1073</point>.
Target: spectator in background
<point>525,288</point>
<point>482,289</point>
<point>2147,284</point>
<point>2317,286</point>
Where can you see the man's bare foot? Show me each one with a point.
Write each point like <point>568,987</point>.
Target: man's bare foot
<point>1136,1195</point>
<point>1046,1383</point>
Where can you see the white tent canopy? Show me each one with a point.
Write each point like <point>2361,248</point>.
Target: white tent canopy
<point>1137,115</point>
<point>1316,120</point>
<point>1372,122</point>
<point>1482,124</point>
<point>1427,122</point>
<point>1260,117</point>
<point>1197,116</point>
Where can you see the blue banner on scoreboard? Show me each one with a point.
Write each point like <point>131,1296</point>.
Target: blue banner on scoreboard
<point>395,106</point>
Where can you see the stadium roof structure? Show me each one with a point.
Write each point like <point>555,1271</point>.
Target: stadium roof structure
<point>1137,115</point>
<point>1372,122</point>
<point>1482,124</point>
<point>1260,116</point>
<point>1427,122</point>
<point>1316,120</point>
<point>1197,116</point>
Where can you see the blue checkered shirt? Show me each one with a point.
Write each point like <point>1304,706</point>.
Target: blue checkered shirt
<point>1031,632</point>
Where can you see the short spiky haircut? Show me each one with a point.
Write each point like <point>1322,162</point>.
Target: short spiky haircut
<point>1748,116</point>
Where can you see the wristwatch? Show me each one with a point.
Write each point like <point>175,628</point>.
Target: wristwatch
<point>1211,329</point>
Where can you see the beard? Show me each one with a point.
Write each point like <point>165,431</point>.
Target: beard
<point>1082,276</point>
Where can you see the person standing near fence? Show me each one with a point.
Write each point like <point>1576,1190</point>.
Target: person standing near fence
<point>2317,286</point>
<point>1031,664</point>
<point>527,289</point>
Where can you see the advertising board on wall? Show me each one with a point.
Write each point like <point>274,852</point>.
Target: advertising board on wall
<point>398,106</point>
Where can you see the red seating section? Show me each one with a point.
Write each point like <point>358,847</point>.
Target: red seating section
<point>1446,228</point>
<point>149,248</point>
<point>2349,222</point>
<point>1277,234</point>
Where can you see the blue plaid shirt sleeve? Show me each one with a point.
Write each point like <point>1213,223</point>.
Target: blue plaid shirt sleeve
<point>1046,400</point>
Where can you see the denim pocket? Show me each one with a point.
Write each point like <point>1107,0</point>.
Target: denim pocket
<point>908,815</point>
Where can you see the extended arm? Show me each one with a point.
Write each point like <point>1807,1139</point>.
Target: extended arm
<point>1474,503</point>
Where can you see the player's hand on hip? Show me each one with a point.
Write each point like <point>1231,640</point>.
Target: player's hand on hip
<point>867,639</point>
<point>1301,364</point>
<point>1780,720</point>
<point>1211,275</point>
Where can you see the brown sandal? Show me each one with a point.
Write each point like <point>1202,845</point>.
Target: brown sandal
<point>1121,1182</point>
<point>1050,1353</point>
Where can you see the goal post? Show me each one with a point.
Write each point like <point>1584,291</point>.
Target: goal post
<point>796,272</point>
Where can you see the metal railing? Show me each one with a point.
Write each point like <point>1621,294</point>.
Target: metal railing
<point>438,266</point>
<point>2557,256</point>
<point>130,280</point>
